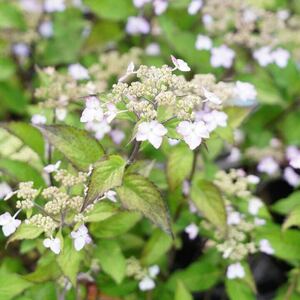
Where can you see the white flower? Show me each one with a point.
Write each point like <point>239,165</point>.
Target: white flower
<point>53,244</point>
<point>215,119</point>
<point>275,143</point>
<point>117,136</point>
<point>180,64</point>
<point>291,177</point>
<point>5,190</point>
<point>239,136</point>
<point>153,271</point>
<point>78,72</point>
<point>268,165</point>
<point>207,20</point>
<point>80,237</point>
<point>283,14</point>
<point>79,4</point>
<point>54,5</point>
<point>295,162</point>
<point>249,16</point>
<point>292,152</point>
<point>173,142</point>
<point>265,247</point>
<point>100,128</point>
<point>110,195</point>
<point>32,6</point>
<point>254,205</point>
<point>137,25</point>
<point>110,113</point>
<point>151,131</point>
<point>186,187</point>
<point>92,111</point>
<point>280,57</point>
<point>245,91</point>
<point>235,271</point>
<point>9,224</point>
<point>140,3</point>
<point>192,208</point>
<point>192,231</point>
<point>203,42</point>
<point>234,218</point>
<point>21,50</point>
<point>193,133</point>
<point>194,6</point>
<point>38,119</point>
<point>160,6</point>
<point>146,284</point>
<point>152,49</point>
<point>222,57</point>
<point>52,167</point>
<point>234,156</point>
<point>60,113</point>
<point>129,71</point>
<point>211,97</point>
<point>252,179</point>
<point>46,29</point>
<point>263,56</point>
<point>259,222</point>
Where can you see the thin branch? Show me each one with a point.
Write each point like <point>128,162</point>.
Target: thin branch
<point>134,153</point>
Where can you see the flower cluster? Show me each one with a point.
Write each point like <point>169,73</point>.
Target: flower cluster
<point>145,276</point>
<point>239,23</point>
<point>238,243</point>
<point>159,97</point>
<point>270,161</point>
<point>52,208</point>
<point>37,16</point>
<point>59,90</point>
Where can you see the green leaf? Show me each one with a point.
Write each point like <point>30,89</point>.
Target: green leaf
<point>106,175</point>
<point>286,244</point>
<point>156,247</point>
<point>11,285</point>
<point>75,144</point>
<point>285,205</point>
<point>238,289</point>
<point>200,275</point>
<point>236,115</point>
<point>209,201</point>
<point>293,218</point>
<point>116,225</point>
<point>45,291</point>
<point>29,135</point>
<point>7,68</point>
<point>12,98</point>
<point>103,32</point>
<point>44,272</point>
<point>111,259</point>
<point>182,293</point>
<point>21,171</point>
<point>101,211</point>
<point>26,232</point>
<point>171,126</point>
<point>290,121</point>
<point>65,45</point>
<point>139,194</point>
<point>179,165</point>
<point>69,261</point>
<point>111,9</point>
<point>10,16</point>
